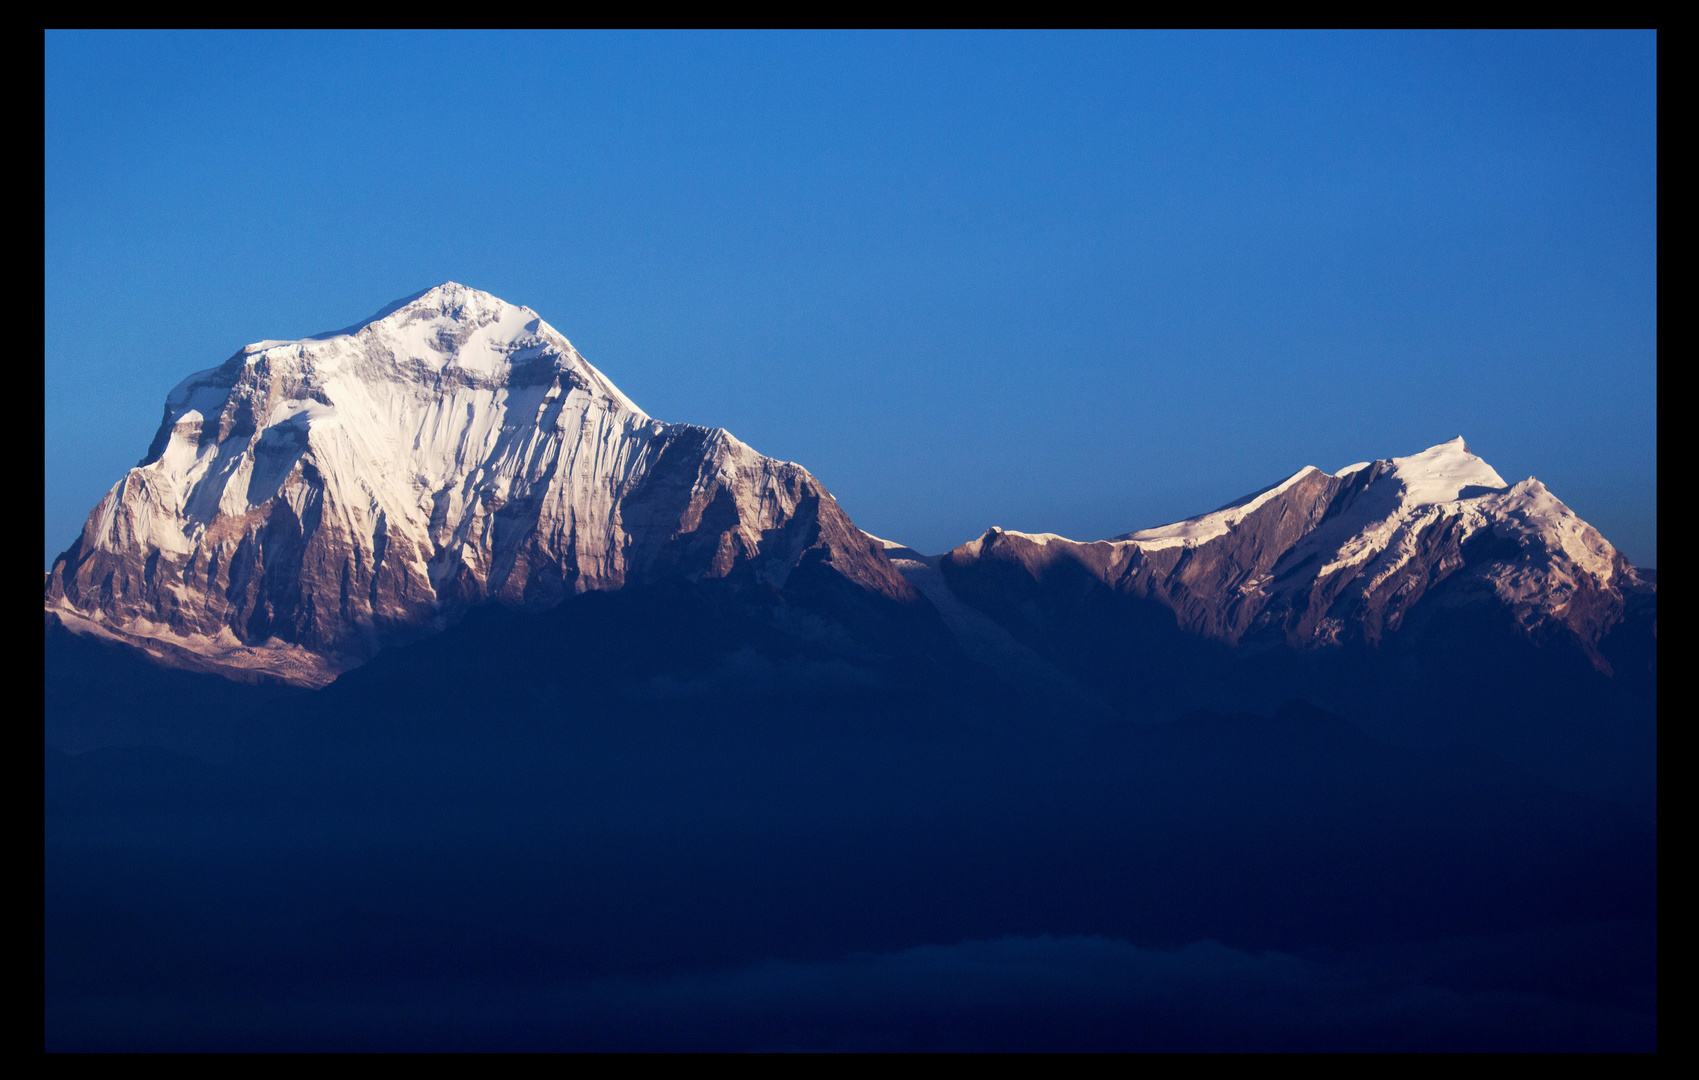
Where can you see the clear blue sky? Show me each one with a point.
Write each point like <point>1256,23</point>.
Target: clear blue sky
<point>1078,283</point>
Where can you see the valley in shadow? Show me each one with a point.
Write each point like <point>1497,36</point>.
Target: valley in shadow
<point>691,816</point>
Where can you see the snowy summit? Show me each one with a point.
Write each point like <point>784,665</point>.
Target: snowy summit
<point>306,501</point>
<point>1319,558</point>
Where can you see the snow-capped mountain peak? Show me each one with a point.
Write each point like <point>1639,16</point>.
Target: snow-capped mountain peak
<point>449,329</point>
<point>1444,473</point>
<point>307,500</point>
<point>1319,558</point>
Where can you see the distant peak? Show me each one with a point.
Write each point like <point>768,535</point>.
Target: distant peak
<point>1444,473</point>
<point>1449,447</point>
<point>450,299</point>
<point>447,324</point>
<point>451,292</point>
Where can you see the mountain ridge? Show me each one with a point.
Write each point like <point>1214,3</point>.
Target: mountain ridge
<point>307,503</point>
<point>1319,558</point>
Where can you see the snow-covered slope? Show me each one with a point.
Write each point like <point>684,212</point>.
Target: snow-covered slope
<point>1322,558</point>
<point>306,502</point>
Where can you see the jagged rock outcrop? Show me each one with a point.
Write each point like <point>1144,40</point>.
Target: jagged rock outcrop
<point>306,503</point>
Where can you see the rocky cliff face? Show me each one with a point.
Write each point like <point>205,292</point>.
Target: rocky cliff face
<point>307,502</point>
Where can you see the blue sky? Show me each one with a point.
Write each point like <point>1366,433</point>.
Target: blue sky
<point>1073,283</point>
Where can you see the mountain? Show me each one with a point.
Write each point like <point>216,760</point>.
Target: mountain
<point>1359,565</point>
<point>1422,596</point>
<point>309,503</point>
<point>306,503</point>
<point>1320,559</point>
<point>418,691</point>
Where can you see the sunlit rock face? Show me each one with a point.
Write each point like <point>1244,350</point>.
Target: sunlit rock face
<point>307,502</point>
